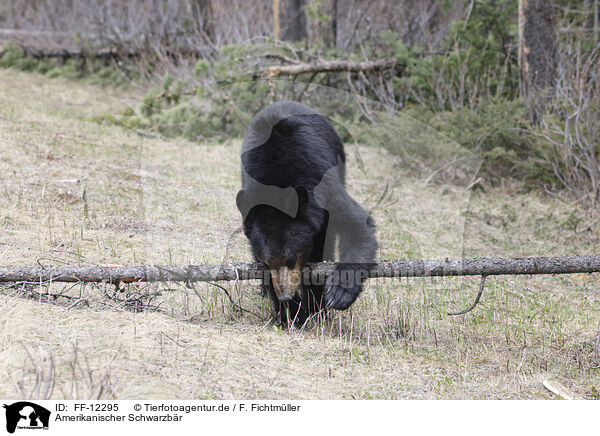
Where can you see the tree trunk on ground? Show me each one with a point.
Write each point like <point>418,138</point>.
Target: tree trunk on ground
<point>328,67</point>
<point>315,271</point>
<point>536,53</point>
<point>293,20</point>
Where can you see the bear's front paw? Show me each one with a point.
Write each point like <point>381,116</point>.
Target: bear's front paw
<point>343,286</point>
<point>340,298</point>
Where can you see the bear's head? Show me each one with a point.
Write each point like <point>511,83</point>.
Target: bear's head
<point>280,241</point>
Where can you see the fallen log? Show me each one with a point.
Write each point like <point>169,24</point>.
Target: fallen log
<point>31,32</point>
<point>64,54</point>
<point>106,53</point>
<point>328,67</point>
<point>315,271</point>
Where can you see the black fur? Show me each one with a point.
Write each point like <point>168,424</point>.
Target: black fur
<point>295,205</point>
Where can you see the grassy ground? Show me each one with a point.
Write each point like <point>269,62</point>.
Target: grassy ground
<point>74,191</point>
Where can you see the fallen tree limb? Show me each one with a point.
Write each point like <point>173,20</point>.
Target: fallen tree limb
<point>64,54</point>
<point>475,303</point>
<point>316,271</point>
<point>31,32</point>
<point>328,67</point>
<point>101,53</point>
<point>106,53</point>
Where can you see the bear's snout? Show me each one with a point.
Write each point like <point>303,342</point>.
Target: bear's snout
<point>286,282</point>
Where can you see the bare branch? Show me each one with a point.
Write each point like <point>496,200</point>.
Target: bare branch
<point>479,294</point>
<point>314,271</point>
<point>328,67</point>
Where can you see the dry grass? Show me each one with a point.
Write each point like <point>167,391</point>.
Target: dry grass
<point>156,201</point>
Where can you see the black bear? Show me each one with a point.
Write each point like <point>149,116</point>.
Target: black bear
<point>295,207</point>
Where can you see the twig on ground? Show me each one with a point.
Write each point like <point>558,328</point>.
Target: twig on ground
<point>233,302</point>
<point>476,302</point>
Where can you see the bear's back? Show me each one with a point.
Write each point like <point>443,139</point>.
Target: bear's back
<point>289,144</point>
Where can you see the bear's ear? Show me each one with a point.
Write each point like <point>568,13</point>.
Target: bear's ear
<point>302,198</point>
